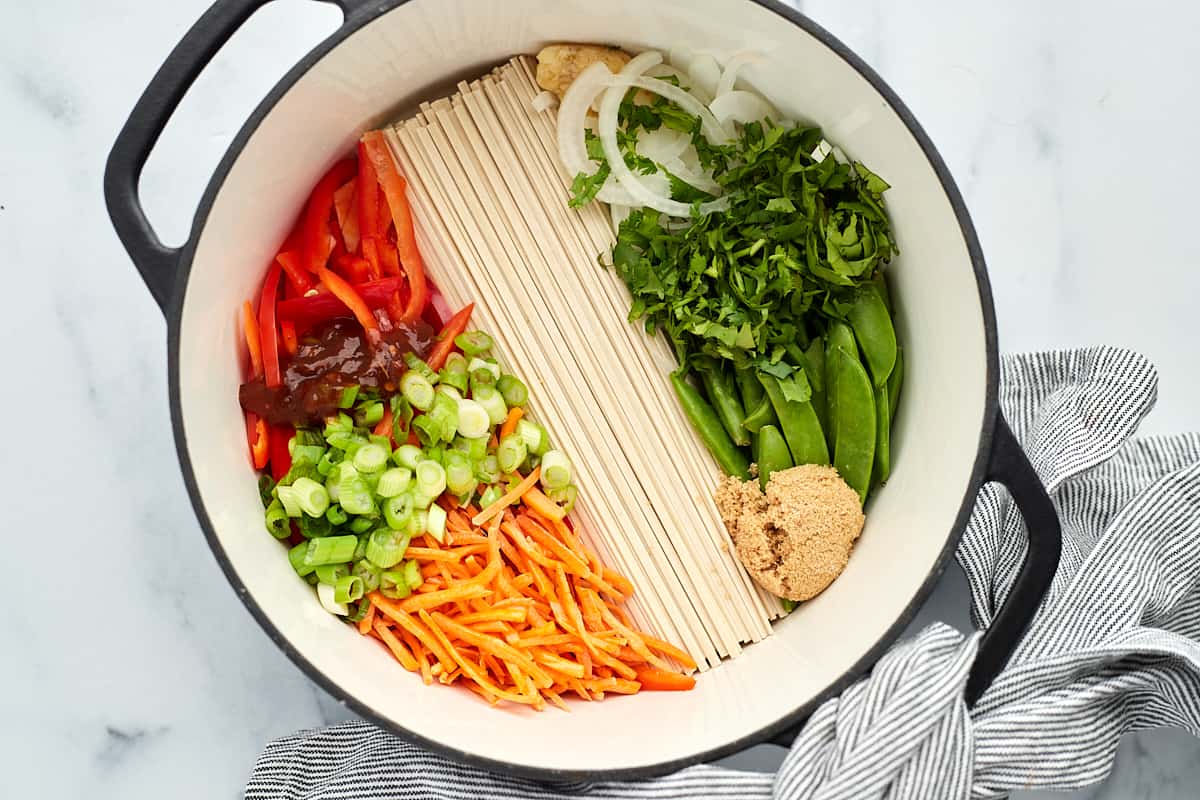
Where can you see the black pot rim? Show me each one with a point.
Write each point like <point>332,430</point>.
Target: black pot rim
<point>354,22</point>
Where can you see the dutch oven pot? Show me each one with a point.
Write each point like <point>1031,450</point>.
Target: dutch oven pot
<point>949,436</point>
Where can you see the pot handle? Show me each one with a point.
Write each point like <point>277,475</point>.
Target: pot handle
<point>1009,466</point>
<point>156,262</point>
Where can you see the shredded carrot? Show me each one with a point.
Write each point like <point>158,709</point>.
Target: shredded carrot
<point>510,422</point>
<point>509,497</point>
<point>543,505</point>
<point>396,646</point>
<point>662,680</point>
<point>364,624</point>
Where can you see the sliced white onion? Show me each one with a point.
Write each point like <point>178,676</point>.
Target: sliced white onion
<point>642,193</point>
<point>705,73</point>
<point>662,144</point>
<point>741,106</point>
<point>691,177</point>
<point>544,101</point>
<point>573,118</point>
<point>822,149</point>
<point>732,66</point>
<point>680,56</point>
<point>710,126</point>
<point>619,214</point>
<point>664,71</point>
<point>325,595</point>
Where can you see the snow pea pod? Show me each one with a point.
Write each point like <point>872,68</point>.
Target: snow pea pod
<point>879,284</point>
<point>763,414</point>
<point>719,387</point>
<point>814,368</point>
<point>749,388</point>
<point>883,437</point>
<point>854,449</point>
<point>800,425</point>
<point>771,453</point>
<point>872,324</point>
<point>708,425</point>
<point>894,381</point>
<point>839,335</point>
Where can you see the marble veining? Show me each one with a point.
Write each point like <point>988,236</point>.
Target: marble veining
<point>131,670</point>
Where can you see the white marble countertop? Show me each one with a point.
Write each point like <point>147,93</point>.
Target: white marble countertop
<point>131,670</point>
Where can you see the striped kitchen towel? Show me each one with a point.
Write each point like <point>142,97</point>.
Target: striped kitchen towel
<point>1114,648</point>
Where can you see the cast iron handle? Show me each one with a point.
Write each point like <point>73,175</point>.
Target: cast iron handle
<point>1009,466</point>
<point>157,263</point>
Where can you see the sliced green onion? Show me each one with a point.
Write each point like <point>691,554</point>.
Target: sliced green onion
<point>490,495</point>
<point>336,515</point>
<point>429,429</point>
<point>493,403</point>
<point>312,527</point>
<point>393,481</point>
<point>431,478</point>
<point>474,421</point>
<point>339,424</point>
<point>422,501</point>
<point>482,379</point>
<point>450,391</point>
<point>514,391</point>
<point>394,584</point>
<point>296,557</point>
<point>511,452</point>
<point>329,459</point>
<point>368,572</point>
<point>312,496</point>
<point>325,593</point>
<point>370,458</point>
<point>565,497</point>
<point>266,490</point>
<point>436,454</point>
<point>386,547</point>
<point>460,477</point>
<point>456,363</point>
<point>416,523</point>
<point>445,411</point>
<point>277,520</point>
<point>332,573</point>
<point>348,396</point>
<point>290,500</point>
<point>420,367</point>
<point>537,441</point>
<point>435,523</point>
<point>361,524</point>
<point>360,552</point>
<point>372,414</point>
<point>346,440</point>
<point>382,441</point>
<point>412,574</point>
<point>476,364</point>
<point>330,550</point>
<point>307,454</point>
<point>556,469</point>
<point>417,389</point>
<point>473,343</point>
<point>407,456</point>
<point>458,380</point>
<point>397,510</point>
<point>487,469</point>
<point>348,589</point>
<point>354,494</point>
<point>305,436</point>
<point>311,580</point>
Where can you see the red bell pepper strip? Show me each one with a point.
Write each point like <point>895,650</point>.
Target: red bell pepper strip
<point>384,426</point>
<point>354,268</point>
<point>367,200</point>
<point>267,330</point>
<point>287,334</point>
<point>253,342</point>
<point>389,259</point>
<point>300,282</point>
<point>281,459</point>
<point>350,297</point>
<point>394,187</point>
<point>346,213</point>
<point>259,439</point>
<point>318,209</point>
<point>307,312</point>
<point>445,341</point>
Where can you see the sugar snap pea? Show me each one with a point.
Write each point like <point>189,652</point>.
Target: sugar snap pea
<point>771,453</point>
<point>814,368</point>
<point>708,425</point>
<point>762,414</point>
<point>719,386</point>
<point>879,284</point>
<point>749,388</point>
<point>839,335</point>
<point>883,437</point>
<point>872,324</point>
<point>894,381</point>
<point>800,425</point>
<point>854,449</point>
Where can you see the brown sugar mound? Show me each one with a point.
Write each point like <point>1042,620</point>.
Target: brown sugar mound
<point>795,539</point>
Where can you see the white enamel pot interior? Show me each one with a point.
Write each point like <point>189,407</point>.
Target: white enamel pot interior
<point>385,61</point>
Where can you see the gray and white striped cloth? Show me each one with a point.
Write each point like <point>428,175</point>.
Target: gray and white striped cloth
<point>1115,647</point>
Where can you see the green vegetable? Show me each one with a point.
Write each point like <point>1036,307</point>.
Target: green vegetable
<point>473,343</point>
<point>750,390</point>
<point>348,395</point>
<point>721,391</point>
<point>296,556</point>
<point>368,572</point>
<point>394,584</point>
<point>883,437</point>
<point>386,547</point>
<point>417,390</point>
<point>704,419</point>
<point>331,573</point>
<point>330,550</point>
<point>800,426</point>
<point>430,479</point>
<point>894,382</point>
<point>277,521</point>
<point>854,410</point>
<point>814,369</point>
<point>511,452</point>
<point>839,335</point>
<point>347,589</point>
<point>872,324</point>
<point>771,453</point>
<point>515,392</point>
